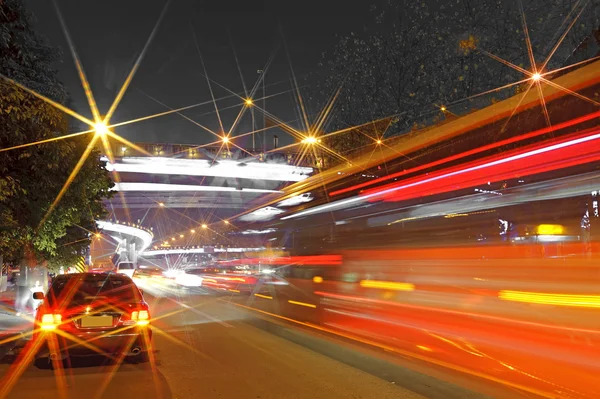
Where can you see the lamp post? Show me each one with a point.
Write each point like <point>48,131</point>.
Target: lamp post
<point>264,143</point>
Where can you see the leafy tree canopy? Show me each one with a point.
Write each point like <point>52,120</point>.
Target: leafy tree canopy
<point>32,177</point>
<point>417,56</point>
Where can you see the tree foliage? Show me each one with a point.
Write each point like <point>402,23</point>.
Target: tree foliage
<point>32,177</point>
<point>417,56</point>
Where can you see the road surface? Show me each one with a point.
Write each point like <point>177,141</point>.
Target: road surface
<point>207,348</point>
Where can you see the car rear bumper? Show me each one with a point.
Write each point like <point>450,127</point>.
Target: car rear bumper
<point>128,343</point>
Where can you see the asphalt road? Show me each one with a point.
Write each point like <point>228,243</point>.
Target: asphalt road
<point>207,348</point>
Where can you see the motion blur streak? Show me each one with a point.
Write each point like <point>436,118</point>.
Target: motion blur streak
<point>584,301</point>
<point>387,285</point>
<point>409,354</point>
<point>477,150</point>
<point>520,313</point>
<point>577,150</point>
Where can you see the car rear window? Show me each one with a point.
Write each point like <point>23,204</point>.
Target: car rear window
<point>126,266</point>
<point>90,287</point>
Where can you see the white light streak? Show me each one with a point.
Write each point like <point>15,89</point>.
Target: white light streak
<point>266,231</point>
<point>159,187</point>
<point>265,213</point>
<point>200,250</point>
<point>296,200</point>
<point>202,167</point>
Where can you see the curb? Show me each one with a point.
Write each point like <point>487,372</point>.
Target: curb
<point>414,381</point>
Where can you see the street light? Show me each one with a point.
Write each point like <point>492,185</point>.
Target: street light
<point>536,76</point>
<point>161,204</point>
<point>225,139</point>
<point>101,128</point>
<point>379,142</point>
<point>192,231</point>
<point>204,226</point>
<point>226,221</point>
<point>180,235</point>
<point>249,102</point>
<point>310,140</point>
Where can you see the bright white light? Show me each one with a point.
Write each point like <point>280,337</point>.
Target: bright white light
<point>177,251</point>
<point>266,231</point>
<point>141,234</point>
<point>101,128</point>
<point>172,273</point>
<point>202,167</point>
<point>265,213</point>
<point>296,200</point>
<point>528,154</point>
<point>536,76</point>
<point>188,280</point>
<point>160,187</point>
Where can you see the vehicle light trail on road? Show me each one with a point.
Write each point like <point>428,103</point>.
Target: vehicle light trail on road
<point>406,353</point>
<point>574,300</point>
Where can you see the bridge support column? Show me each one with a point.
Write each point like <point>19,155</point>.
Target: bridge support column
<point>132,253</point>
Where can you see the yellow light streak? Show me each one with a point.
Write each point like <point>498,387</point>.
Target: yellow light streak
<point>135,67</point>
<point>550,229</point>
<point>72,176</point>
<point>66,136</point>
<point>387,285</point>
<point>82,77</point>
<point>571,300</point>
<point>55,104</point>
<point>307,305</point>
<point>212,94</point>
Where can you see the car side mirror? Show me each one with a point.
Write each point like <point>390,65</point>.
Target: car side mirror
<point>38,296</point>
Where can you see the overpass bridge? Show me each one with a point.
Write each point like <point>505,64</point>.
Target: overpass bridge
<point>174,188</point>
<point>183,176</point>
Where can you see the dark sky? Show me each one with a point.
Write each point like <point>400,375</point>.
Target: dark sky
<point>109,35</point>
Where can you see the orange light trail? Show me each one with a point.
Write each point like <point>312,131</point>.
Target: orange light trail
<point>431,360</point>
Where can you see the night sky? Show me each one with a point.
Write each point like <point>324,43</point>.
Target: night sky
<point>108,36</point>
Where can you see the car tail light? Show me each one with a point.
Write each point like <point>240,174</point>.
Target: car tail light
<point>141,317</point>
<point>49,321</point>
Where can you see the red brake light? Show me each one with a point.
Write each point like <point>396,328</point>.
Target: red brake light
<point>141,317</point>
<point>49,321</point>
